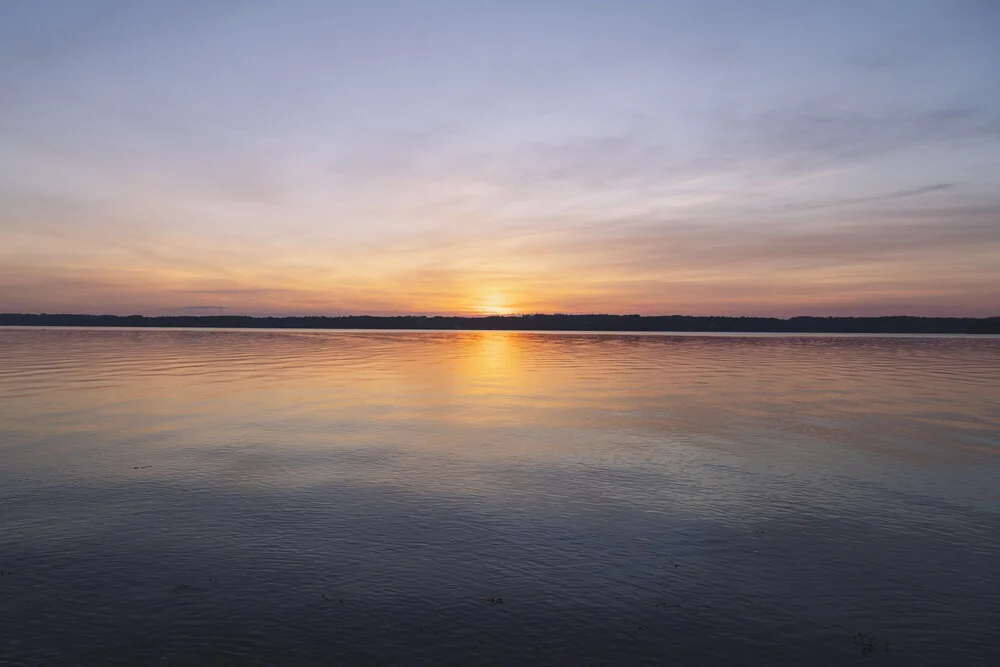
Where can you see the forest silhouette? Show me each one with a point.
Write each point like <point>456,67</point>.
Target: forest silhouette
<point>537,322</point>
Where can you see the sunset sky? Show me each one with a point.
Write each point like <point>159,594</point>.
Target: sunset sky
<point>749,157</point>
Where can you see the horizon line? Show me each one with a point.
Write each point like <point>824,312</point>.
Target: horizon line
<point>494,316</point>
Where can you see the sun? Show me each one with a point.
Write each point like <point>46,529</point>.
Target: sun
<point>494,303</point>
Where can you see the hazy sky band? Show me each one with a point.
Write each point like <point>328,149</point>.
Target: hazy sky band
<point>465,156</point>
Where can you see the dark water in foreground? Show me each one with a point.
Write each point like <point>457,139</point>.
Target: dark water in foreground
<point>173,497</point>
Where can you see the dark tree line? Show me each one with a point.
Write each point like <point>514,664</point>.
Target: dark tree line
<point>890,324</point>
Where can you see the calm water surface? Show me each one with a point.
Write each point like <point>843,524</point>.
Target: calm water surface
<point>179,497</point>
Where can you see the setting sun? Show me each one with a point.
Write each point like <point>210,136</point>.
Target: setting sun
<point>495,304</point>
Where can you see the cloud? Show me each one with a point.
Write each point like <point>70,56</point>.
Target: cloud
<point>718,156</point>
<point>240,291</point>
<point>888,196</point>
<point>786,140</point>
<point>68,29</point>
<point>641,246</point>
<point>57,33</point>
<point>202,309</point>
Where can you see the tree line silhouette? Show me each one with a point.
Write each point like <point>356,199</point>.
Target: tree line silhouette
<point>537,322</point>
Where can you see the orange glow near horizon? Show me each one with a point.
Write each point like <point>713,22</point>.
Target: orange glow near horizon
<point>494,303</point>
<point>575,271</point>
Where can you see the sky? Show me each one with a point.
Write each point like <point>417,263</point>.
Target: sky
<point>743,157</point>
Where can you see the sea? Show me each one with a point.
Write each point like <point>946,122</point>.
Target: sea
<point>290,497</point>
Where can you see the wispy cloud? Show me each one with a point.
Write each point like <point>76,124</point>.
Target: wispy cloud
<point>210,310</point>
<point>885,197</point>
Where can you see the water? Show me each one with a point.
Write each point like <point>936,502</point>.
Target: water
<point>179,497</point>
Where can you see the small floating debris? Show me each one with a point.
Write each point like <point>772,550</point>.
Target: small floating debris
<point>869,643</point>
<point>492,600</point>
<point>140,467</point>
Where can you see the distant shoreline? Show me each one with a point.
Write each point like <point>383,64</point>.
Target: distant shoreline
<point>602,323</point>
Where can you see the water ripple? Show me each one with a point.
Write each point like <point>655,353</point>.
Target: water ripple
<point>283,497</point>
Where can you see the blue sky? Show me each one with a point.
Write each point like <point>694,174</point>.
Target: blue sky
<point>466,156</point>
